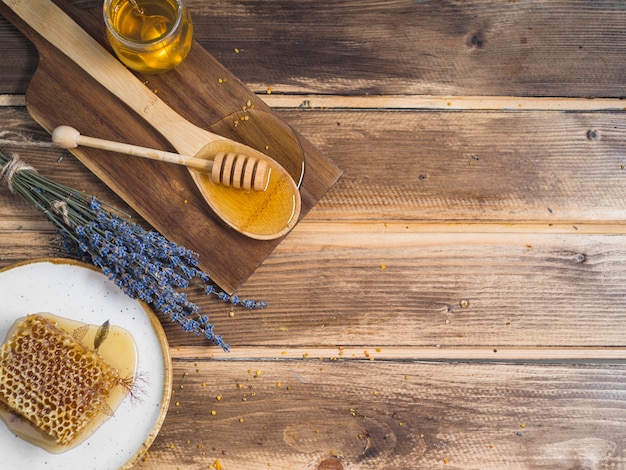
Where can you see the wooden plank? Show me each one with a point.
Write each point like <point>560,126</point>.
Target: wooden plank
<point>535,169</point>
<point>18,58</point>
<point>547,167</point>
<point>424,290</point>
<point>440,103</point>
<point>480,47</point>
<point>432,290</point>
<point>12,100</point>
<point>379,352</point>
<point>418,102</point>
<point>541,48</point>
<point>298,414</point>
<point>20,245</point>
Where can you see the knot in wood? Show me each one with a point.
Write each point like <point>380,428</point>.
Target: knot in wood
<point>475,40</point>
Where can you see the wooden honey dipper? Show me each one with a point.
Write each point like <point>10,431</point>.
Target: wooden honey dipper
<point>228,169</point>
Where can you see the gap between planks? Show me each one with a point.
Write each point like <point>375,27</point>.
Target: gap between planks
<point>381,353</point>
<point>419,102</point>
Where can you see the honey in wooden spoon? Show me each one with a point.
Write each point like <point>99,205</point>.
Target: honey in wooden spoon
<point>259,214</point>
<point>251,193</point>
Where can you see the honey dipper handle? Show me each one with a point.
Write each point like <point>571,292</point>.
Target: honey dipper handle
<point>68,138</point>
<point>55,26</point>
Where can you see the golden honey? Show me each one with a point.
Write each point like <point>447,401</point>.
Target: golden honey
<point>257,212</point>
<point>59,382</point>
<point>149,36</point>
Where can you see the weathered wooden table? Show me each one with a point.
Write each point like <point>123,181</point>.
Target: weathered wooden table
<point>458,298</point>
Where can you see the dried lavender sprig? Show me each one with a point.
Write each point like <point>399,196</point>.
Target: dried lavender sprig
<point>144,264</point>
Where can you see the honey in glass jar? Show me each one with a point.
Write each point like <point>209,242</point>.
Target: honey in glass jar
<point>149,36</point>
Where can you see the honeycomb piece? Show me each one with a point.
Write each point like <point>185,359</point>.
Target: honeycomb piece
<point>52,380</point>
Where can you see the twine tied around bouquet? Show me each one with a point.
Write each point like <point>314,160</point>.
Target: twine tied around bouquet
<point>60,208</point>
<point>16,164</point>
<point>8,171</point>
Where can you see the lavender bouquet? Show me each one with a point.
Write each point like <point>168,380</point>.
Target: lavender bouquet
<point>144,264</point>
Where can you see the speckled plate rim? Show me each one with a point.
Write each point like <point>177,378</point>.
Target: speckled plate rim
<point>162,345</point>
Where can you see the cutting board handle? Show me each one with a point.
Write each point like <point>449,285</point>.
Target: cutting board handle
<point>56,27</point>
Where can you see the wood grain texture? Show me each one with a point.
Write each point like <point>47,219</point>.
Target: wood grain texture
<point>433,290</point>
<point>19,55</point>
<point>471,166</point>
<point>542,169</point>
<point>439,103</point>
<point>482,47</point>
<point>298,414</point>
<point>423,47</point>
<point>457,300</point>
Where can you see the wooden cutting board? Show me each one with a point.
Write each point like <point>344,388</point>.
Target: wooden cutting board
<point>205,93</point>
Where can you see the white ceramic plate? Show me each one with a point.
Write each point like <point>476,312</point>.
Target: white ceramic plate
<point>79,292</point>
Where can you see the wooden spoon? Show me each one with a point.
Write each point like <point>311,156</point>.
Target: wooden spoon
<point>262,215</point>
